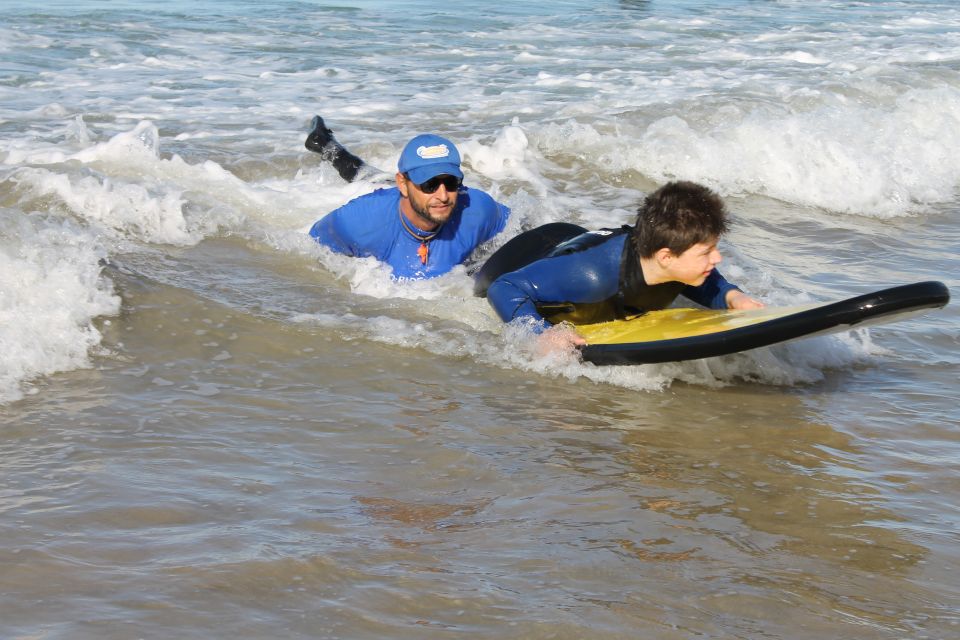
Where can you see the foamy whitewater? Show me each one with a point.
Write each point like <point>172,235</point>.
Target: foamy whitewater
<point>154,200</point>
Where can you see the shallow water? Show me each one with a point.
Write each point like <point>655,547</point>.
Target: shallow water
<point>213,428</point>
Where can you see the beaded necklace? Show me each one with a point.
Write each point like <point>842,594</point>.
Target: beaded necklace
<point>424,250</point>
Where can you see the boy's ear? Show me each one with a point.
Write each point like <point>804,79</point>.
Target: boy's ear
<point>663,256</point>
<point>401,184</point>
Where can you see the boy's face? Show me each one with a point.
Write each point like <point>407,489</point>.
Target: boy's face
<point>695,264</point>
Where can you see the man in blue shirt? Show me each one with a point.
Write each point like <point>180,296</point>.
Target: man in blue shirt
<point>611,274</point>
<point>425,225</point>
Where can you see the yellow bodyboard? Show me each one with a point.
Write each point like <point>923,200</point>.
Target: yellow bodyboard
<point>670,324</point>
<point>672,335</point>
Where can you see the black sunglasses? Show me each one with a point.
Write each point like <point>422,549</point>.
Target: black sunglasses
<point>451,183</point>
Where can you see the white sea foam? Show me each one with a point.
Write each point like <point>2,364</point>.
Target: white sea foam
<point>128,208</point>
<point>51,290</point>
<point>127,189</point>
<point>470,329</point>
<point>508,157</point>
<point>842,157</point>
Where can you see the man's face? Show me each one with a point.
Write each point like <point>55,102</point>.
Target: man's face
<point>695,264</point>
<point>434,208</point>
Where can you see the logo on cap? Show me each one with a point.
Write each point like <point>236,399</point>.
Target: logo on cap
<point>436,151</point>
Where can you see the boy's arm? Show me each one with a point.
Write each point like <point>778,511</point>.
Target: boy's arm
<point>512,297</point>
<point>516,294</point>
<point>737,299</point>
<point>717,293</point>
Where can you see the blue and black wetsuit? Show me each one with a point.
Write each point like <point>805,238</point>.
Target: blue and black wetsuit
<point>594,277</point>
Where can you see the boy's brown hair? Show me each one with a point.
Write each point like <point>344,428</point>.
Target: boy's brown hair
<point>677,216</point>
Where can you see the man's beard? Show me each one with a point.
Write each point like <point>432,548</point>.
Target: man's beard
<point>425,215</point>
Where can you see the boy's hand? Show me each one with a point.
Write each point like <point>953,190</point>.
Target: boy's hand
<point>739,300</point>
<point>558,338</point>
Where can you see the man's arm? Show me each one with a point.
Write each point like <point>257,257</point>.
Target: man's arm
<point>493,215</point>
<point>333,234</point>
<point>361,227</point>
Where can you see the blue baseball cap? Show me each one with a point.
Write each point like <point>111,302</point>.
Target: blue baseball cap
<point>427,156</point>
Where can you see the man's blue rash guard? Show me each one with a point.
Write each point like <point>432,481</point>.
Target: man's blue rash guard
<point>370,226</point>
<point>588,282</point>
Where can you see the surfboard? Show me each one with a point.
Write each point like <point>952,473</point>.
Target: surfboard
<point>679,334</point>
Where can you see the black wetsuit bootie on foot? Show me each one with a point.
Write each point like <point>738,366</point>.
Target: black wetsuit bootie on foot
<point>321,140</point>
<point>319,137</point>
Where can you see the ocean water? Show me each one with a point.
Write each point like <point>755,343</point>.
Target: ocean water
<point>212,427</point>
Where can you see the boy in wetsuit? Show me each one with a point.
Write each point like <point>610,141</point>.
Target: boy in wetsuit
<point>614,274</point>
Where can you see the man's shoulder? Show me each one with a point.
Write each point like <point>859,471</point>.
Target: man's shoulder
<point>369,210</point>
<point>376,200</point>
<point>367,224</point>
<point>478,210</point>
<point>477,200</point>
